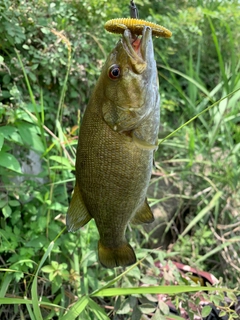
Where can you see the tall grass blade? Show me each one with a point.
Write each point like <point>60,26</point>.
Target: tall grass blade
<point>64,88</point>
<point>202,213</point>
<point>26,301</point>
<point>218,248</point>
<point>15,301</point>
<point>190,80</point>
<point>34,292</point>
<point>197,115</point>
<point>220,58</point>
<point>109,292</point>
<point>77,309</point>
<point>27,82</point>
<point>30,312</point>
<point>39,119</point>
<point>234,67</point>
<point>110,283</point>
<point>98,311</point>
<point>4,284</point>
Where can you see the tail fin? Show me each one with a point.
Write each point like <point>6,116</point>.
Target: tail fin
<point>115,257</point>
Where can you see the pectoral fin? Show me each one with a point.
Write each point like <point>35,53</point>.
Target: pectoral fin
<point>143,214</point>
<point>144,145</point>
<point>77,215</point>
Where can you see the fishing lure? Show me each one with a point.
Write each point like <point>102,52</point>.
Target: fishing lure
<point>136,27</point>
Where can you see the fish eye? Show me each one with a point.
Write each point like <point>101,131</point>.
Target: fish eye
<point>114,72</point>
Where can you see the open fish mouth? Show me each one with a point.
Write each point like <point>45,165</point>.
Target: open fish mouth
<point>138,48</point>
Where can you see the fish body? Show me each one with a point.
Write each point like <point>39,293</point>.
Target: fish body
<point>117,139</point>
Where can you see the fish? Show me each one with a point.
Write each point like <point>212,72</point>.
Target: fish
<point>136,26</point>
<point>117,139</point>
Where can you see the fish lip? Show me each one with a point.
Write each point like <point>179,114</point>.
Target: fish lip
<point>138,56</point>
<point>146,41</point>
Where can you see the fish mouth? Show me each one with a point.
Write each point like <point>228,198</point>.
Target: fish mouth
<point>138,49</point>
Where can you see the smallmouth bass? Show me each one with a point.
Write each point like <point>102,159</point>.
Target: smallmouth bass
<point>117,139</point>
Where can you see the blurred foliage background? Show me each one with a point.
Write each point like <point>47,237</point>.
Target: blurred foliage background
<point>51,54</point>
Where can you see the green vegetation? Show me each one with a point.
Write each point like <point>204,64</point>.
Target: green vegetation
<point>51,53</point>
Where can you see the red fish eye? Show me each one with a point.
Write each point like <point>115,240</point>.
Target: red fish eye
<point>114,72</point>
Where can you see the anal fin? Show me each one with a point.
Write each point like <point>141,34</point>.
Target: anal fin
<point>143,214</point>
<point>118,256</point>
<point>77,215</point>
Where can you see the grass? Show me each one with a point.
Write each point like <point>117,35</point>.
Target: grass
<point>86,302</point>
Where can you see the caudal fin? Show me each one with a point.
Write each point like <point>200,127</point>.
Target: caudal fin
<point>115,257</point>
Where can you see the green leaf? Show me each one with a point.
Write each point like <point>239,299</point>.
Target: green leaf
<point>163,307</point>
<point>45,30</point>
<point>222,313</point>
<point>47,269</point>
<point>7,131</point>
<point>159,316</point>
<point>65,162</point>
<point>3,203</point>
<point>6,211</point>
<point>30,136</point>
<point>8,161</point>
<point>14,203</point>
<point>147,308</point>
<point>149,280</point>
<point>1,141</point>
<point>216,299</point>
<point>135,273</point>
<point>52,275</point>
<point>125,307</point>
<point>232,297</point>
<point>55,265</point>
<point>206,311</point>
<point>58,207</point>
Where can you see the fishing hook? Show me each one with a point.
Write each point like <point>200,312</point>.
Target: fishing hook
<point>133,10</point>
<point>133,15</point>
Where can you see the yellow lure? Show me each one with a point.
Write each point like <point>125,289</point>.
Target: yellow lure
<point>136,26</point>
